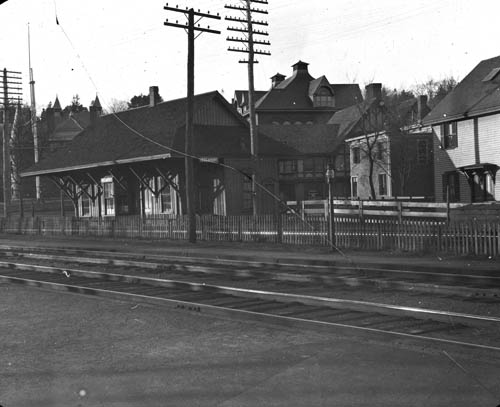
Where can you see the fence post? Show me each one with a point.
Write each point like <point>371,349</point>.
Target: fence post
<point>279,227</point>
<point>438,249</point>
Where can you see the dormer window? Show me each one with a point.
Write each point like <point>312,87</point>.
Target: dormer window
<point>492,75</point>
<point>324,97</point>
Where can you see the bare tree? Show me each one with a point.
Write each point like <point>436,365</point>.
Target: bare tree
<point>117,105</point>
<point>436,90</point>
<point>371,126</point>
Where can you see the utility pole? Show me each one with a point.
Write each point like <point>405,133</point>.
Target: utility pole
<point>247,33</point>
<point>13,93</point>
<point>33,119</point>
<point>188,147</point>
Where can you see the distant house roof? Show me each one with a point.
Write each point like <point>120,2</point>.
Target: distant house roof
<point>241,98</point>
<point>70,127</point>
<point>146,133</point>
<point>305,139</point>
<point>347,119</point>
<point>477,94</point>
<point>297,91</point>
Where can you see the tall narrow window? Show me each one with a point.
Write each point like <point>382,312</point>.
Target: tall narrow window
<point>382,184</point>
<point>86,202</point>
<point>165,196</point>
<point>380,150</point>
<point>356,155</point>
<point>451,187</point>
<point>354,187</point>
<point>449,135</point>
<point>108,198</point>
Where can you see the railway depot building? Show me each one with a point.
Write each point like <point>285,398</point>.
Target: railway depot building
<point>132,162</point>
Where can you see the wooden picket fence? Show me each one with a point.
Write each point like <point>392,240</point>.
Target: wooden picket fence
<point>376,208</point>
<point>377,233</point>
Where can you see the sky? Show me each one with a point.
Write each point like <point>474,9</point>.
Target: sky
<point>119,48</point>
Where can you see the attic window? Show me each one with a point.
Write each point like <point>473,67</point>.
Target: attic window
<point>324,97</point>
<point>494,72</point>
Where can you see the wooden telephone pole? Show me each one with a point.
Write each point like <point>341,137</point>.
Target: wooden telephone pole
<point>12,92</point>
<point>188,158</point>
<point>248,32</point>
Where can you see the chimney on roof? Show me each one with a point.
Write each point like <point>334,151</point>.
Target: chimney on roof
<point>422,108</point>
<point>154,96</point>
<point>373,91</point>
<point>300,67</point>
<point>277,79</point>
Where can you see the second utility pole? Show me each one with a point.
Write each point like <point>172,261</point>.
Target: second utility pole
<point>188,144</point>
<point>248,33</point>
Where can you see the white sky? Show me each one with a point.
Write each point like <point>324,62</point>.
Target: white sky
<point>118,48</point>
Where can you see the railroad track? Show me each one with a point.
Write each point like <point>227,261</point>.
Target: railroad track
<point>485,286</point>
<point>317,312</point>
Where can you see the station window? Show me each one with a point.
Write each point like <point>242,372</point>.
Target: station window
<point>108,197</point>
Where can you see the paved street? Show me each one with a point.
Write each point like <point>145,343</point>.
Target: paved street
<point>70,350</point>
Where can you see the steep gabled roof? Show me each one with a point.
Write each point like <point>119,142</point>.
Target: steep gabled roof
<point>70,126</point>
<point>305,139</point>
<point>241,97</point>
<point>347,119</point>
<point>297,91</point>
<point>57,104</point>
<point>346,94</point>
<point>477,94</point>
<point>147,133</point>
<point>317,83</point>
<point>292,93</point>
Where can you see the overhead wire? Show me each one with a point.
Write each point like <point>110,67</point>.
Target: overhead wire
<point>182,153</point>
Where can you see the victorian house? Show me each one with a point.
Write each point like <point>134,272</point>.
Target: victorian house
<point>465,125</point>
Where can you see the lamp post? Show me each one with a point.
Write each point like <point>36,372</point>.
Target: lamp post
<point>330,175</point>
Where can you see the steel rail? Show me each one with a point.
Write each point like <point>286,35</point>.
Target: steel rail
<point>458,288</point>
<point>334,303</point>
<point>230,262</point>
<point>288,321</point>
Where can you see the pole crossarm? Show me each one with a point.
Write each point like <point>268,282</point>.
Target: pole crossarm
<point>247,30</point>
<point>258,52</point>
<point>195,14</point>
<point>244,20</point>
<point>245,40</point>
<point>245,9</point>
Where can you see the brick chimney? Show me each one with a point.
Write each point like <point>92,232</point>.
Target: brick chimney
<point>277,79</point>
<point>154,96</point>
<point>422,108</point>
<point>373,91</point>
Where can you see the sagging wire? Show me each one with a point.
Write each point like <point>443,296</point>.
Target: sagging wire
<point>181,153</point>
